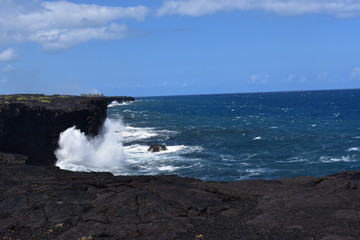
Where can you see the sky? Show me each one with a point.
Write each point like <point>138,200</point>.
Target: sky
<point>178,47</point>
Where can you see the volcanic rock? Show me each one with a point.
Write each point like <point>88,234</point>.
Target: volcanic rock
<point>157,148</point>
<point>48,203</point>
<point>31,124</point>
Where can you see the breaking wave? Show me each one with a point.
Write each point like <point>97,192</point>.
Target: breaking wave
<point>114,150</point>
<point>104,152</point>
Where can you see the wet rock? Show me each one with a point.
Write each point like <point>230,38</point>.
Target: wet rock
<point>157,148</point>
<point>31,124</point>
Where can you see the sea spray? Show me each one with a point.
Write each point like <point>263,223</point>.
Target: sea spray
<point>104,152</point>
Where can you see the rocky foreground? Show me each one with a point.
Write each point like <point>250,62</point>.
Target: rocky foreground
<point>49,203</point>
<point>44,202</point>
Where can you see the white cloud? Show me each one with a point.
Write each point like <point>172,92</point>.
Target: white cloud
<point>7,68</point>
<point>258,79</point>
<point>63,24</point>
<point>64,38</point>
<point>92,91</point>
<point>341,9</point>
<point>355,74</point>
<point>323,76</point>
<point>289,78</point>
<point>8,55</point>
<point>3,80</point>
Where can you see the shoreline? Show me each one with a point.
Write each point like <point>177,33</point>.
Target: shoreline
<point>45,202</point>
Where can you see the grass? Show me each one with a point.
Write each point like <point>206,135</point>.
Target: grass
<point>21,98</point>
<point>42,99</point>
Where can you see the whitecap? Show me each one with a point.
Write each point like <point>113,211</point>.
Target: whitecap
<point>293,160</point>
<point>354,149</point>
<point>130,134</point>
<point>116,103</point>
<point>257,138</point>
<point>325,159</point>
<point>167,168</point>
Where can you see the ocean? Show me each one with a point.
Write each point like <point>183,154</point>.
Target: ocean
<point>225,137</point>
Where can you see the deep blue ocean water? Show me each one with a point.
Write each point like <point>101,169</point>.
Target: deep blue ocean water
<point>233,137</point>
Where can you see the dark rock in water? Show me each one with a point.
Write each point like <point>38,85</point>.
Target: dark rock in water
<point>31,124</point>
<point>157,148</point>
<point>49,203</point>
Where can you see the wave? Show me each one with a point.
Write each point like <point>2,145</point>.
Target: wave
<point>79,153</point>
<point>354,149</point>
<point>106,152</point>
<point>324,159</point>
<point>116,103</point>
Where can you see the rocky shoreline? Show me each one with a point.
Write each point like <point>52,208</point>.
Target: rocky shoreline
<point>45,202</point>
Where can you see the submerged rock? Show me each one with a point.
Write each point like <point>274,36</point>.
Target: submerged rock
<point>157,148</point>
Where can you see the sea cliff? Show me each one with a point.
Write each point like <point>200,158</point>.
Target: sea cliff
<point>30,124</point>
<point>45,202</point>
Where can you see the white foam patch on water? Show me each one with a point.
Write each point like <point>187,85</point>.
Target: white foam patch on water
<point>141,161</point>
<point>130,134</point>
<point>324,159</point>
<point>258,138</point>
<point>293,160</point>
<point>253,172</point>
<point>354,149</point>
<point>116,103</point>
<point>78,153</point>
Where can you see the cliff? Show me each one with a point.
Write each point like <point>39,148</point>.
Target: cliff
<point>31,124</point>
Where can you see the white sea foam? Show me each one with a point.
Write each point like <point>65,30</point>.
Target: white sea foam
<point>78,153</point>
<point>106,152</point>
<point>168,168</point>
<point>130,134</point>
<point>293,160</point>
<point>134,133</point>
<point>116,103</point>
<point>257,138</point>
<point>252,172</point>
<point>324,159</point>
<point>354,149</point>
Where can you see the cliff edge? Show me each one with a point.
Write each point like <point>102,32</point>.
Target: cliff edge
<point>31,124</point>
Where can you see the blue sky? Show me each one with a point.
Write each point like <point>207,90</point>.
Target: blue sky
<point>177,47</point>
